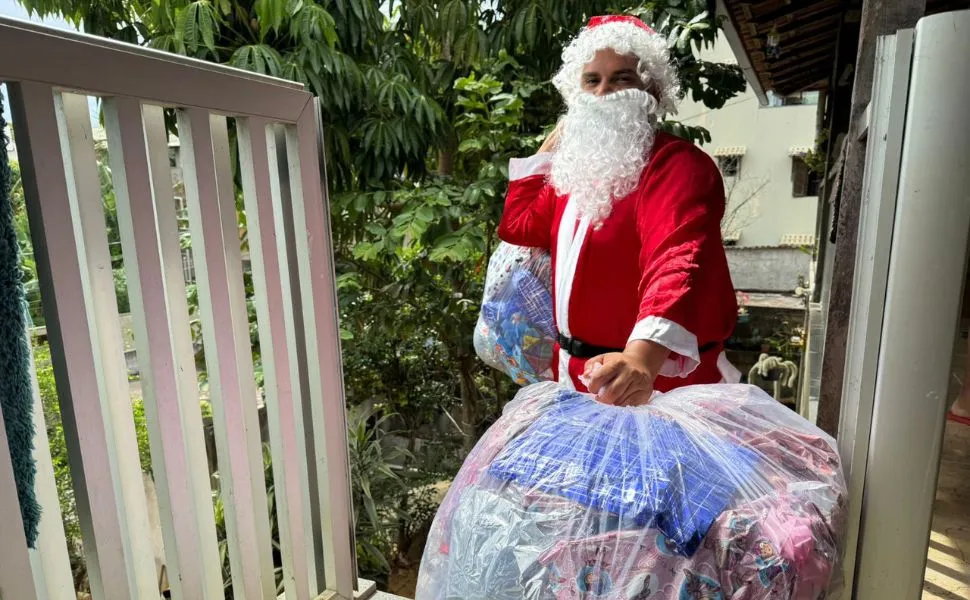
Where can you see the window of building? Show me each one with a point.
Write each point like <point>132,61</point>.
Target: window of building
<point>730,166</point>
<point>805,182</point>
<point>797,99</point>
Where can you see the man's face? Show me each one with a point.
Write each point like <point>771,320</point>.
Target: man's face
<point>610,72</point>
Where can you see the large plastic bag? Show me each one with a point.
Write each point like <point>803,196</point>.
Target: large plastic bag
<point>515,332</point>
<point>712,492</point>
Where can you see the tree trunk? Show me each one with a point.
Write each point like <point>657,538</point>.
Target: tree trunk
<point>446,156</point>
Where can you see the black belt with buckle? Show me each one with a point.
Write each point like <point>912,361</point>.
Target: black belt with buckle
<point>582,350</point>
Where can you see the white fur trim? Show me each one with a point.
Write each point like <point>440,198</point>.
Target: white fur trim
<point>569,244</point>
<point>655,67</point>
<point>564,378</point>
<point>537,164</point>
<point>681,343</point>
<point>729,373</point>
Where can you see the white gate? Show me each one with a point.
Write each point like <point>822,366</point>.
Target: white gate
<point>50,76</point>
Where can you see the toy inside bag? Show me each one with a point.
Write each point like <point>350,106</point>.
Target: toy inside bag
<point>515,332</point>
<point>710,492</point>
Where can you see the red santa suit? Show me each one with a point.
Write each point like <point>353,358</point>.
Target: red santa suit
<point>655,269</point>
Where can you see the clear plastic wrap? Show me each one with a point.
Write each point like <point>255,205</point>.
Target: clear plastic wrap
<point>712,492</point>
<point>515,332</point>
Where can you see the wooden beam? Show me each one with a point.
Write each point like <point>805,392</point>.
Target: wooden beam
<point>806,10</point>
<point>828,24</point>
<point>798,59</point>
<point>802,71</point>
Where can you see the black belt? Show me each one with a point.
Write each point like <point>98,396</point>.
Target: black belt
<point>582,350</point>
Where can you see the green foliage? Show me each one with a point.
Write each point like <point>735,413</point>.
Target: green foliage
<point>62,469</point>
<point>374,487</point>
<point>815,160</point>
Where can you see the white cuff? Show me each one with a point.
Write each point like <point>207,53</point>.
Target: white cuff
<point>537,164</point>
<point>685,356</point>
<point>729,373</point>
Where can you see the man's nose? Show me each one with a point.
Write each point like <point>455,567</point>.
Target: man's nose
<point>604,88</point>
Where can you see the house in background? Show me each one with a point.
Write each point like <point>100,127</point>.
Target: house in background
<point>772,205</point>
<point>772,194</point>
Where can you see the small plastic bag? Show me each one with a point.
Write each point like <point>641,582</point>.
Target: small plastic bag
<point>515,332</point>
<point>709,492</point>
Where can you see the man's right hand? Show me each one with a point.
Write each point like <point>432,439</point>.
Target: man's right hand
<point>552,140</point>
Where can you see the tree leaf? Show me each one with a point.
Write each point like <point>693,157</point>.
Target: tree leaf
<point>470,144</point>
<point>197,26</point>
<point>425,214</point>
<point>258,58</point>
<point>270,14</point>
<point>531,25</point>
<point>313,25</point>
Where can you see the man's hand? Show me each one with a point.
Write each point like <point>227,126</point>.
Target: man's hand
<point>626,378</point>
<point>552,140</point>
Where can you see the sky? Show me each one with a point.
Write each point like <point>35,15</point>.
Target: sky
<point>10,8</point>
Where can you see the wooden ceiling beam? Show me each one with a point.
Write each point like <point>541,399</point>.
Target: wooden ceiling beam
<point>802,67</point>
<point>802,78</point>
<point>797,11</point>
<point>788,57</point>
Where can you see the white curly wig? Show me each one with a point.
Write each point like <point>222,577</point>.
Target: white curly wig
<point>624,35</point>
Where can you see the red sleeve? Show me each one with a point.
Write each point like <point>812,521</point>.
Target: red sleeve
<point>529,206</point>
<point>685,286</point>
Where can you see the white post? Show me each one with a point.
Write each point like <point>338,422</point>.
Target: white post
<point>172,408</point>
<point>64,208</point>
<point>876,220</point>
<point>926,276</point>
<point>51,562</point>
<point>277,337</point>
<point>16,581</point>
<point>314,257</point>
<point>225,334</point>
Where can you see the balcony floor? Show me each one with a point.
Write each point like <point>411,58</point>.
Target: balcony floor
<point>948,560</point>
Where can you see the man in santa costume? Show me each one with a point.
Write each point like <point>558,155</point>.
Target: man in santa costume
<point>642,292</point>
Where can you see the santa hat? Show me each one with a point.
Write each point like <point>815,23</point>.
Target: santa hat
<point>624,35</point>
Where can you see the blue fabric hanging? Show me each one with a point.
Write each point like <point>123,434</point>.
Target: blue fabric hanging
<point>16,395</point>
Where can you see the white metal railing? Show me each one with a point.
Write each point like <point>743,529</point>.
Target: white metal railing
<point>50,75</point>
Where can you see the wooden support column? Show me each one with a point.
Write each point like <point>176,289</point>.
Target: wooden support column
<point>878,18</point>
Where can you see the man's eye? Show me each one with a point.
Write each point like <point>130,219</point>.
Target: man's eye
<point>591,82</point>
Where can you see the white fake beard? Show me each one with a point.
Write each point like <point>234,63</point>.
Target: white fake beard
<point>604,145</point>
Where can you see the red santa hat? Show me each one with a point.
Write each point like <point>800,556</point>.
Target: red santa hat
<point>625,35</point>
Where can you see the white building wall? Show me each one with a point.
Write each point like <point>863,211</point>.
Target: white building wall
<point>760,203</point>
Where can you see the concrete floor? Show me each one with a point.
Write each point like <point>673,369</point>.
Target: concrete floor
<point>948,559</point>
